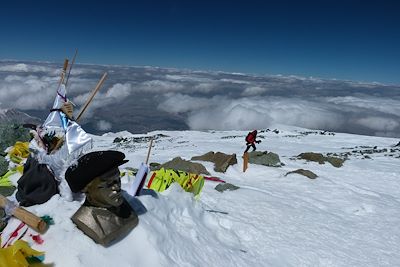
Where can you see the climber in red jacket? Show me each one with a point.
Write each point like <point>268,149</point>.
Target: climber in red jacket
<point>251,140</point>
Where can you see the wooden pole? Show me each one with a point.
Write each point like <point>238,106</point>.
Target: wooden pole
<point>148,152</point>
<point>95,90</point>
<point>64,70</point>
<point>70,67</point>
<point>245,161</point>
<point>30,219</point>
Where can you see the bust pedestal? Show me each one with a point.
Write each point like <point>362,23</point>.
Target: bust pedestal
<point>105,225</point>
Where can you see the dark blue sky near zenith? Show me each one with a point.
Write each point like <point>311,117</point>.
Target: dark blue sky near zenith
<point>350,40</point>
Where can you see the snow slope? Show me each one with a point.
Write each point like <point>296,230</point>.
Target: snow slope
<point>347,216</point>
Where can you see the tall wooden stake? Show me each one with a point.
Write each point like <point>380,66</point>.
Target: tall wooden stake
<point>148,152</point>
<point>95,90</point>
<point>70,67</point>
<point>64,71</point>
<point>245,161</point>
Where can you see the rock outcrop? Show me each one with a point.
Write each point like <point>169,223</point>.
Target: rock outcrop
<point>184,165</point>
<point>265,158</point>
<point>221,160</point>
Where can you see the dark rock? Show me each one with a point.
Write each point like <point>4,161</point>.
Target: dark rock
<point>209,156</point>
<point>184,165</point>
<point>226,186</point>
<point>7,190</point>
<point>265,158</point>
<point>11,133</point>
<point>120,140</point>
<point>311,156</point>
<point>221,160</point>
<point>336,162</point>
<point>3,165</point>
<point>306,173</point>
<point>154,166</point>
<point>321,159</point>
<point>3,223</point>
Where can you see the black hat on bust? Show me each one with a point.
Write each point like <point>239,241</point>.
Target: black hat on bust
<point>91,166</point>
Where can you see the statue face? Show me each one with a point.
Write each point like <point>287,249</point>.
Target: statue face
<point>105,190</point>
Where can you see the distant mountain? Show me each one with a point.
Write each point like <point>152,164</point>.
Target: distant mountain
<point>16,116</point>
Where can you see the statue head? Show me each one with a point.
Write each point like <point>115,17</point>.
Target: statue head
<point>105,190</point>
<point>97,175</point>
<point>105,216</point>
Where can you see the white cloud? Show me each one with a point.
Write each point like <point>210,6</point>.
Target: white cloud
<point>246,113</point>
<point>379,123</point>
<point>158,86</point>
<point>80,99</point>
<point>177,103</point>
<point>187,78</point>
<point>103,125</point>
<point>213,100</point>
<point>21,67</point>
<point>234,116</point>
<point>254,90</point>
<point>27,92</point>
<point>205,87</point>
<point>119,91</point>
<point>114,95</point>
<point>15,68</point>
<point>381,104</point>
<point>235,81</point>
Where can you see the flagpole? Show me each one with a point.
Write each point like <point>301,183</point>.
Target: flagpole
<point>70,68</point>
<point>96,89</point>
<point>148,152</point>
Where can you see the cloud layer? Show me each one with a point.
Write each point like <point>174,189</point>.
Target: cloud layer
<point>140,99</point>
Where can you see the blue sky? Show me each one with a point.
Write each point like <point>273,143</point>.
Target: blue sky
<point>352,40</point>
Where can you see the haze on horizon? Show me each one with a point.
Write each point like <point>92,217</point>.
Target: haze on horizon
<point>142,99</point>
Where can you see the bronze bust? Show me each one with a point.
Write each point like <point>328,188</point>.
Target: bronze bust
<point>105,215</point>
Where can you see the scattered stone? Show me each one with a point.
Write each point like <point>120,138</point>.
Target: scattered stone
<point>265,158</point>
<point>209,156</point>
<point>144,139</point>
<point>336,162</point>
<point>221,160</point>
<point>120,140</point>
<point>306,173</point>
<point>311,156</point>
<point>232,136</point>
<point>7,190</point>
<point>321,159</point>
<point>184,165</point>
<point>154,166</point>
<point>226,186</point>
<point>3,165</point>
<point>3,223</point>
<point>10,133</point>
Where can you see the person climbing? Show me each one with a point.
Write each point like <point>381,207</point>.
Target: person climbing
<point>251,140</point>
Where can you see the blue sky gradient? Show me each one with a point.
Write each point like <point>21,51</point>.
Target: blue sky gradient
<point>350,40</point>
